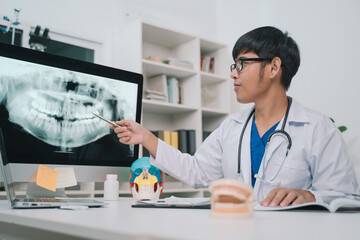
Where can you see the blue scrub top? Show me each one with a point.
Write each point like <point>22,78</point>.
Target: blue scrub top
<point>257,146</point>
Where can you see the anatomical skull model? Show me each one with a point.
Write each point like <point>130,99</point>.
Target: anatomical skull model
<point>146,181</point>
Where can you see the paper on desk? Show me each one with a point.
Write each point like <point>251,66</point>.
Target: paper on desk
<point>177,201</point>
<point>66,177</point>
<point>46,178</point>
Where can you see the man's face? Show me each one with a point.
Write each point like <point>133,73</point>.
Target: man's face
<point>252,81</point>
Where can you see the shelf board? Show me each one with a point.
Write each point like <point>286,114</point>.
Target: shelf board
<point>211,112</point>
<point>209,78</point>
<point>151,68</point>
<point>150,106</point>
<point>164,37</point>
<point>210,46</point>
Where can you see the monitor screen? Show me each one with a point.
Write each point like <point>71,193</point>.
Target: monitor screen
<point>46,106</point>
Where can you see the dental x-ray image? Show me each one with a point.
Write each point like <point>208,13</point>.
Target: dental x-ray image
<point>49,110</point>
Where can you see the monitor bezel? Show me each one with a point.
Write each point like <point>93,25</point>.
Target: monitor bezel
<point>29,55</point>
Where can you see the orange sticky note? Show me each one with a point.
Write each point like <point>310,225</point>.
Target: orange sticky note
<point>46,178</point>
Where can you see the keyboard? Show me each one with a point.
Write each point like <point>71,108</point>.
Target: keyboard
<point>40,200</point>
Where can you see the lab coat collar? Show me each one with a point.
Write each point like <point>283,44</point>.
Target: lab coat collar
<point>297,114</point>
<point>240,117</point>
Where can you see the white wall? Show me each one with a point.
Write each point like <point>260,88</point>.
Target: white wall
<point>328,35</point>
<point>326,31</point>
<point>97,20</point>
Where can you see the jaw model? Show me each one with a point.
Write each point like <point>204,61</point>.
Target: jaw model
<point>231,198</point>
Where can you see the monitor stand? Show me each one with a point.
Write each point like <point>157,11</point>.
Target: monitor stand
<point>34,191</point>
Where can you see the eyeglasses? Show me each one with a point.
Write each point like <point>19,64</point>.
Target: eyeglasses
<point>239,63</point>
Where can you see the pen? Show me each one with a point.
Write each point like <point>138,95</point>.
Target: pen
<point>106,120</point>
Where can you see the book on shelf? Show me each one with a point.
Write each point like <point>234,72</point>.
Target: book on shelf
<point>182,139</point>
<point>187,141</point>
<point>173,90</point>
<point>155,95</point>
<point>170,137</point>
<point>146,153</point>
<point>336,205</point>
<point>174,135</point>
<point>165,136</point>
<point>181,95</point>
<point>191,141</point>
<point>163,88</point>
<point>157,88</point>
<point>208,64</point>
<point>179,63</point>
<point>153,58</point>
<point>206,134</point>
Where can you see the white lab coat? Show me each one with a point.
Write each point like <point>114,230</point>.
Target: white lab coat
<point>318,160</point>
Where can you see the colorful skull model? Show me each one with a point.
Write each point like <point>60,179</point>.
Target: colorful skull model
<point>146,181</point>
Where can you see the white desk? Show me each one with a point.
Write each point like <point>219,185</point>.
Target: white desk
<point>120,221</point>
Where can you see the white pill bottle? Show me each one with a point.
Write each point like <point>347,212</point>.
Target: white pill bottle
<point>111,187</point>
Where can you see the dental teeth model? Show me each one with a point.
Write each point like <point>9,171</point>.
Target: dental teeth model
<point>231,198</point>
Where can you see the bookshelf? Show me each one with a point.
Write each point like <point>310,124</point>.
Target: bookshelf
<point>206,96</point>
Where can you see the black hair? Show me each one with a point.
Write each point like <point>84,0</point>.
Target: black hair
<point>270,42</point>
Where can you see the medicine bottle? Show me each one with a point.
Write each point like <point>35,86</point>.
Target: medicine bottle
<point>111,187</point>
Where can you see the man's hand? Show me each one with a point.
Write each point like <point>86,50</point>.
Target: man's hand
<point>285,196</point>
<point>131,132</point>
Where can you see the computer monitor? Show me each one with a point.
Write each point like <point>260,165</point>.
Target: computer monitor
<point>46,105</point>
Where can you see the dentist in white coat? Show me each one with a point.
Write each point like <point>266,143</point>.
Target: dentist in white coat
<point>317,166</point>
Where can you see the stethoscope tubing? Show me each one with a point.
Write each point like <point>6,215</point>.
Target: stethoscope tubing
<point>282,131</point>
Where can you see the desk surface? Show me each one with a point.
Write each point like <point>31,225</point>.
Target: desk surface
<point>120,220</point>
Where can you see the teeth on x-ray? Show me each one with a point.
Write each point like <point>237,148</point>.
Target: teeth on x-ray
<point>56,106</point>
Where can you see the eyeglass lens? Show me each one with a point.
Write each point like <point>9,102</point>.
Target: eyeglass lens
<point>238,65</point>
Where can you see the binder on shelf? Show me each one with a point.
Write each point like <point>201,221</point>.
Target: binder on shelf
<point>174,135</point>
<point>165,136</point>
<point>146,153</point>
<point>183,140</point>
<point>206,134</point>
<point>187,141</point>
<point>191,142</point>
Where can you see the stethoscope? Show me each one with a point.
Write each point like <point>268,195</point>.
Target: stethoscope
<point>280,132</point>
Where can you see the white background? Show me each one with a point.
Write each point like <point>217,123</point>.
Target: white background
<point>327,32</point>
